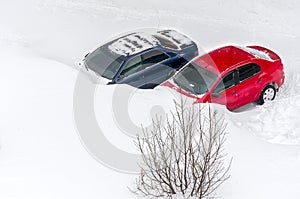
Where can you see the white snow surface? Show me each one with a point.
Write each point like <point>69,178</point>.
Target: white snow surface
<point>41,155</point>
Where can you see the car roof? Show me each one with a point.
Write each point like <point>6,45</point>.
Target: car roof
<point>223,58</point>
<point>137,42</point>
<point>132,44</point>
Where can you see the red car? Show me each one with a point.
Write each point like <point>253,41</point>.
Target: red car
<point>231,75</point>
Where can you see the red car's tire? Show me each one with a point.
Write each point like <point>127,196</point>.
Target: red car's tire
<point>268,93</point>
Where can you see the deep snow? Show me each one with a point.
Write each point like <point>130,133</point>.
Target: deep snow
<point>41,154</point>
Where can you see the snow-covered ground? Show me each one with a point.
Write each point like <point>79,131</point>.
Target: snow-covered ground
<point>42,155</point>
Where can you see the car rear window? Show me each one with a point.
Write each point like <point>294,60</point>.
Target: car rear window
<point>256,53</point>
<point>166,43</point>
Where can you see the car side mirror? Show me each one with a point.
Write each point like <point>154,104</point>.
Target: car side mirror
<point>215,95</point>
<point>86,55</point>
<point>82,64</point>
<point>122,77</point>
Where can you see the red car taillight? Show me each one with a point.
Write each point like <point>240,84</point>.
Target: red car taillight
<point>280,65</point>
<point>283,77</point>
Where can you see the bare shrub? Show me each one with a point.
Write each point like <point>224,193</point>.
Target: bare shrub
<point>185,156</point>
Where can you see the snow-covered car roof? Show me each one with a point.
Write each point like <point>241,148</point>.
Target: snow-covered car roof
<point>139,41</point>
<point>133,43</point>
<point>177,38</point>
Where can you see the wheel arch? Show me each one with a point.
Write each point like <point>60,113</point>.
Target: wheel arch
<point>272,83</point>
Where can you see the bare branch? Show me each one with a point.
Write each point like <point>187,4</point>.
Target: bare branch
<point>185,155</point>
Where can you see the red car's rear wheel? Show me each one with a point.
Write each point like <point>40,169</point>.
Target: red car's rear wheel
<point>267,94</point>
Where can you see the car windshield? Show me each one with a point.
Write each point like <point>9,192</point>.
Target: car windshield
<point>194,79</point>
<point>104,63</point>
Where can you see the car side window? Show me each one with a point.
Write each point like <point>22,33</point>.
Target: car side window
<point>248,71</point>
<point>226,82</point>
<point>132,66</point>
<point>153,57</point>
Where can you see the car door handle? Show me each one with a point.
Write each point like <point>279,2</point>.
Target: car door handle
<point>233,92</point>
<point>259,79</point>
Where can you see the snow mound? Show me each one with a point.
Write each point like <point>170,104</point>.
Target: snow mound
<point>276,121</point>
<point>41,155</point>
<point>11,38</point>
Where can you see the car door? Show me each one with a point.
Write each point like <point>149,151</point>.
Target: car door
<point>247,87</point>
<point>145,69</point>
<point>225,91</point>
<point>156,71</point>
<point>128,73</point>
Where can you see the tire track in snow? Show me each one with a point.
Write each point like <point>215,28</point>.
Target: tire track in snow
<point>276,121</point>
